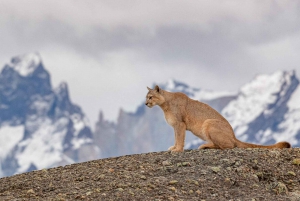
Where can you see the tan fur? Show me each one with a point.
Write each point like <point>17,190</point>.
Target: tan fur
<point>183,113</point>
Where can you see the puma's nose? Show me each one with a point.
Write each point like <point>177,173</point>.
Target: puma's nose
<point>146,103</point>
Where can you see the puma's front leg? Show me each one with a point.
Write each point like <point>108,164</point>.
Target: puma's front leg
<point>179,130</point>
<point>174,146</point>
<point>171,148</point>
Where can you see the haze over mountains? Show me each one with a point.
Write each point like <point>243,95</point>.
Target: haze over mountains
<point>40,127</point>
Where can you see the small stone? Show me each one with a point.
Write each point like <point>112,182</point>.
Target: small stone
<point>281,188</point>
<point>238,163</point>
<point>296,161</point>
<point>228,168</point>
<point>111,170</point>
<point>172,188</point>
<point>186,164</point>
<point>173,182</point>
<point>215,169</point>
<point>120,189</point>
<point>191,191</point>
<point>259,175</point>
<point>31,191</point>
<point>255,178</point>
<point>165,163</point>
<point>198,192</point>
<point>101,176</point>
<point>291,173</point>
<point>89,193</point>
<point>143,177</point>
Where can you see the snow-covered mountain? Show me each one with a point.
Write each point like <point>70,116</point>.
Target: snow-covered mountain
<point>39,125</point>
<point>266,110</point>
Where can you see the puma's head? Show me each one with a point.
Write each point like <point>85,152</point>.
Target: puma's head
<point>154,97</point>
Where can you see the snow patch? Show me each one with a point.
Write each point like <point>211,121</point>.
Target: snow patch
<point>294,102</point>
<point>210,95</point>
<point>77,143</point>
<point>195,93</point>
<point>26,64</point>
<point>291,127</point>
<point>78,123</point>
<point>44,148</point>
<point>9,138</point>
<point>254,99</point>
<point>170,85</point>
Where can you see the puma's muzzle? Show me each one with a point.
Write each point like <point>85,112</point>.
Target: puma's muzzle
<point>148,105</point>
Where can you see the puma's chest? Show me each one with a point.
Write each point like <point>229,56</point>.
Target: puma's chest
<point>170,118</point>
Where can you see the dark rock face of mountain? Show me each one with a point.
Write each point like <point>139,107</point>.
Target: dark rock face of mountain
<point>39,126</point>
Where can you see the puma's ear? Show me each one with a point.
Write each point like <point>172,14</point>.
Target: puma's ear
<point>157,89</point>
<point>149,89</point>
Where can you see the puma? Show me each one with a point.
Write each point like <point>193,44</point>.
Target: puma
<point>183,113</point>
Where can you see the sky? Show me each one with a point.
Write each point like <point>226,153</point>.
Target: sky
<point>108,51</point>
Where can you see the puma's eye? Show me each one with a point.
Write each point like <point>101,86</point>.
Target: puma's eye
<point>150,97</point>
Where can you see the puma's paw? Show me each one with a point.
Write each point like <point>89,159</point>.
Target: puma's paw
<point>176,150</point>
<point>171,148</point>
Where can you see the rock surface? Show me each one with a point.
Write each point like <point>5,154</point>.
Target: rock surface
<point>236,174</point>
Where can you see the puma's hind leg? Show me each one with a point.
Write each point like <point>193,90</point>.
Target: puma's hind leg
<point>208,146</point>
<point>219,134</point>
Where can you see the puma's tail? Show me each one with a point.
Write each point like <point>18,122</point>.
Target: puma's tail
<point>279,145</point>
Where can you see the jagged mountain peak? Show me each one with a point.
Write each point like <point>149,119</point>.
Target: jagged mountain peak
<point>266,109</point>
<point>25,64</point>
<point>21,81</point>
<point>62,90</point>
<point>173,85</point>
<point>48,129</point>
<point>267,82</point>
<point>178,86</point>
<point>259,96</point>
